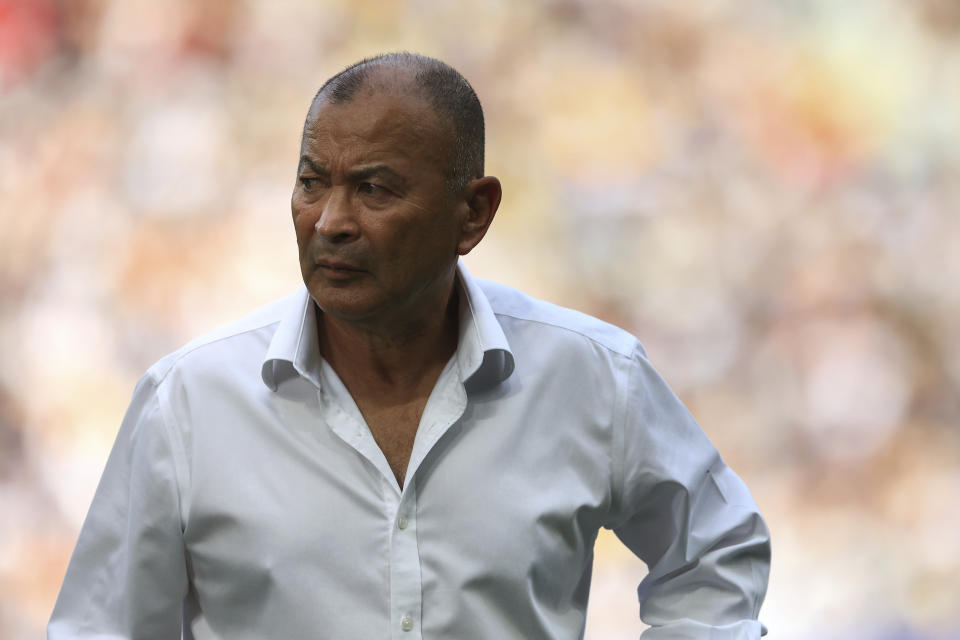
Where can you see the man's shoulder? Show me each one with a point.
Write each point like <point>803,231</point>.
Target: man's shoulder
<point>241,339</point>
<point>511,305</point>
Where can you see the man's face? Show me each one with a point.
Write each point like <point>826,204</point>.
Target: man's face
<point>377,229</point>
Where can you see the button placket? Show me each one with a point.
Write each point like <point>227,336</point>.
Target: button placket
<point>405,577</point>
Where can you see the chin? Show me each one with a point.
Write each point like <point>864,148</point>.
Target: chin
<point>342,304</point>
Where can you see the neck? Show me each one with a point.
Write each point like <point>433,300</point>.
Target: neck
<point>395,358</point>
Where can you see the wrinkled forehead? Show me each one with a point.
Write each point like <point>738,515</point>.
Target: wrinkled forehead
<point>382,118</point>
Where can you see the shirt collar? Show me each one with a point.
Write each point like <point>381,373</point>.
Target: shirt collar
<point>294,349</point>
<point>483,354</point>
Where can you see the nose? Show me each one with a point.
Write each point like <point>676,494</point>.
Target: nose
<point>337,222</point>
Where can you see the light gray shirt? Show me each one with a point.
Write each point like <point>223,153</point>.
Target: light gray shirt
<point>245,497</point>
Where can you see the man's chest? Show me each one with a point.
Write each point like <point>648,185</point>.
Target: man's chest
<point>394,429</point>
<point>301,503</point>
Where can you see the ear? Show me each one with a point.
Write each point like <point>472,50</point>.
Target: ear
<point>482,198</point>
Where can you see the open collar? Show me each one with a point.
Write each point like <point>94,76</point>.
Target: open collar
<point>483,353</point>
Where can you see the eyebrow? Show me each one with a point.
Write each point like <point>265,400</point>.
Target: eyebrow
<point>359,173</point>
<point>376,170</point>
<point>307,160</point>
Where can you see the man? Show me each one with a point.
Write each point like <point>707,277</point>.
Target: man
<point>399,450</point>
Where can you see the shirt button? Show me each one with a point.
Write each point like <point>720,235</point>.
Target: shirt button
<point>406,623</point>
<point>402,523</point>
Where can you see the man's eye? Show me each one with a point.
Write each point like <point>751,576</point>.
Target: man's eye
<point>309,184</point>
<point>370,189</point>
<point>374,194</point>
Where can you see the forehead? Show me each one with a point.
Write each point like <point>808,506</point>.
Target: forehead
<point>377,122</point>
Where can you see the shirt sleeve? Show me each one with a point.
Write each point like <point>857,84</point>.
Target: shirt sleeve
<point>682,511</point>
<point>127,577</point>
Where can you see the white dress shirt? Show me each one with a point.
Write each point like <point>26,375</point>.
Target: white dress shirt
<point>245,497</point>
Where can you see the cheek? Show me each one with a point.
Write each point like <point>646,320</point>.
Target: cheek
<point>303,224</point>
<point>426,248</point>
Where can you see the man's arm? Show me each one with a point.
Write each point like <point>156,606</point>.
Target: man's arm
<point>688,517</point>
<point>127,577</point>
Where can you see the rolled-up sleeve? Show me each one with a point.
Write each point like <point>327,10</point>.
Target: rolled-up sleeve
<point>682,511</point>
<point>127,577</point>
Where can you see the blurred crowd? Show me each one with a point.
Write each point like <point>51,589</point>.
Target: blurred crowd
<point>766,192</point>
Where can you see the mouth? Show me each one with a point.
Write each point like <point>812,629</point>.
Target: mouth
<point>341,269</point>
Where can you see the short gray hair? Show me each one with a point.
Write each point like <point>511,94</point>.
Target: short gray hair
<point>445,89</point>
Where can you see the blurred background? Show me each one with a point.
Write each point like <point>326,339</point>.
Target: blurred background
<point>765,192</point>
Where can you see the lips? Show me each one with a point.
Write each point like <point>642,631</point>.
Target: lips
<point>337,271</point>
<point>337,266</point>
